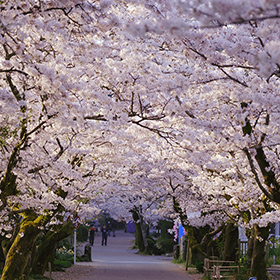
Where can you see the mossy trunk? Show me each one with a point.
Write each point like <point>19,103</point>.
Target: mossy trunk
<point>46,250</point>
<point>230,252</point>
<point>196,255</point>
<point>19,253</point>
<point>139,240</point>
<point>258,264</point>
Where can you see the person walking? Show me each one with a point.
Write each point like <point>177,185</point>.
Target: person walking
<point>104,232</point>
<point>114,228</point>
<point>109,228</point>
<point>91,234</point>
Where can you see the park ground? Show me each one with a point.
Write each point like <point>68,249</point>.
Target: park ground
<point>118,261</point>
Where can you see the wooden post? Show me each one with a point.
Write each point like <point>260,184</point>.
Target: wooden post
<point>75,245</point>
<point>50,270</point>
<point>206,266</point>
<point>214,270</point>
<point>182,247</point>
<point>187,254</point>
<point>218,273</point>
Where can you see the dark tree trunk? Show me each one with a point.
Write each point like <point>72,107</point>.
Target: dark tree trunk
<point>250,235</point>
<point>258,265</point>
<point>196,254</point>
<point>138,232</point>
<point>230,252</point>
<point>46,249</point>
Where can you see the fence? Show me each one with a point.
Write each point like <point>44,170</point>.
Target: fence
<point>210,265</point>
<point>229,269</point>
<point>243,247</point>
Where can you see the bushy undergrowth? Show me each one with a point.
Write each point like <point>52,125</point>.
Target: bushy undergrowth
<point>38,277</point>
<point>199,266</point>
<point>166,245</point>
<point>64,256</point>
<point>60,265</point>
<point>82,233</point>
<point>179,261</point>
<point>64,253</point>
<point>152,247</point>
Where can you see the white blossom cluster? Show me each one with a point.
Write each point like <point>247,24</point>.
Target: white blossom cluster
<point>130,104</point>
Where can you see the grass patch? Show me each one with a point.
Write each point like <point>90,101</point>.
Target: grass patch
<point>179,261</point>
<point>60,265</point>
<point>38,277</point>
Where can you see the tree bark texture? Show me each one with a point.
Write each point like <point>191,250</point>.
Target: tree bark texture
<point>196,254</point>
<point>258,264</point>
<point>138,232</point>
<point>250,235</point>
<point>230,252</point>
<point>46,249</point>
<point>20,251</point>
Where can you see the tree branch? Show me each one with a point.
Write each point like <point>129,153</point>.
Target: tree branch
<point>254,171</point>
<point>96,118</point>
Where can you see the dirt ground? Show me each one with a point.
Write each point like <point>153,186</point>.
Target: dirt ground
<point>87,271</point>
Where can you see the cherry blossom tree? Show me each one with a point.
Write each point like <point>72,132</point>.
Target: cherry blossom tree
<point>170,99</point>
<point>231,96</point>
<point>46,159</point>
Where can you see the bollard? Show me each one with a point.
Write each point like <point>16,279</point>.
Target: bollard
<point>50,270</point>
<point>87,252</point>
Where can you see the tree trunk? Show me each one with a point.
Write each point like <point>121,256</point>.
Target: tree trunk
<point>197,255</point>
<point>250,235</point>
<point>144,234</point>
<point>230,252</point>
<point>46,249</point>
<point>19,253</point>
<point>138,232</point>
<point>258,265</point>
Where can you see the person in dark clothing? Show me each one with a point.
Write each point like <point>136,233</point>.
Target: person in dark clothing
<point>114,228</point>
<point>109,228</point>
<point>91,234</point>
<point>104,232</point>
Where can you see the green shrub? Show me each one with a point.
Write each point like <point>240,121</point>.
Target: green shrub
<point>63,263</point>
<point>65,243</point>
<point>179,261</point>
<point>164,225</point>
<point>206,277</point>
<point>245,265</point>
<point>241,277</point>
<point>82,233</point>
<point>166,245</point>
<point>59,265</point>
<point>38,277</point>
<point>83,258</point>
<point>64,254</point>
<point>152,247</point>
<point>199,266</point>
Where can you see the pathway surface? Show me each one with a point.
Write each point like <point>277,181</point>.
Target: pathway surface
<point>117,261</point>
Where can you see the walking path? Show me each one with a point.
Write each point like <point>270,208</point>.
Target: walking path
<point>116,261</point>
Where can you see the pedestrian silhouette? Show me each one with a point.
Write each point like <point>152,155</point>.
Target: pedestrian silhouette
<point>109,228</point>
<point>91,234</point>
<point>104,232</point>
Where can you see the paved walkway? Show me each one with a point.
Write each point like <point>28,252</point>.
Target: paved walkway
<point>117,262</point>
